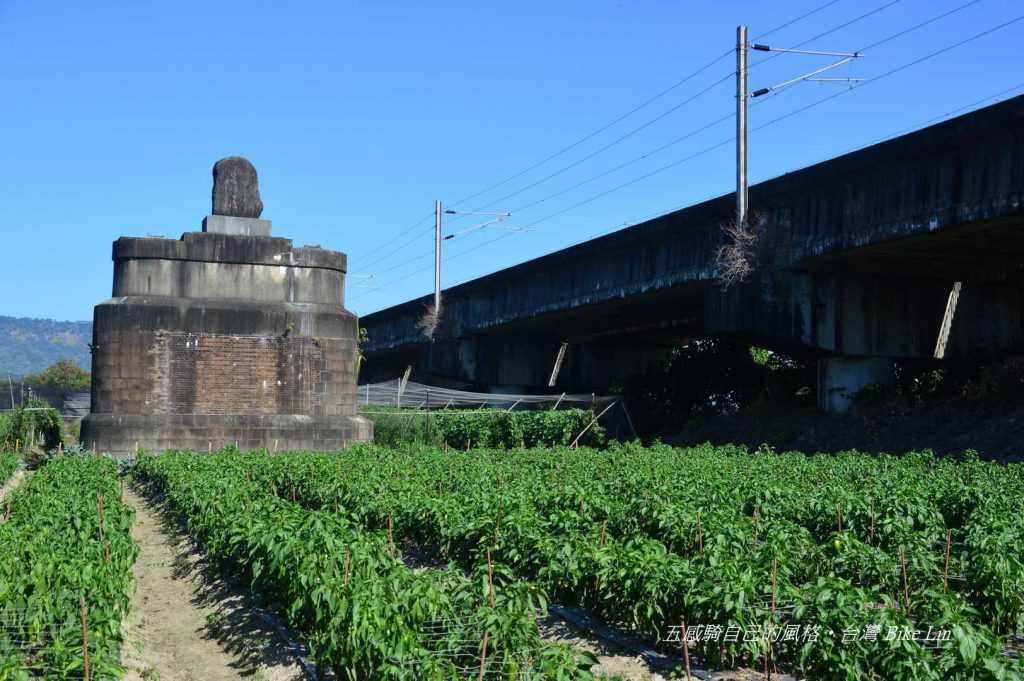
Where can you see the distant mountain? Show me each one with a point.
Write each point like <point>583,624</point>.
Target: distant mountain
<point>30,345</point>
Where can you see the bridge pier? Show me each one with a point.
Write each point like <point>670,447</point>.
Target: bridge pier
<point>864,315</point>
<point>840,378</point>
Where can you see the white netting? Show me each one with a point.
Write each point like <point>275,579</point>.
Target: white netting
<point>54,650</point>
<point>418,395</point>
<point>459,647</point>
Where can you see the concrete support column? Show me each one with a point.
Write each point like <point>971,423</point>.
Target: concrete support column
<point>840,378</point>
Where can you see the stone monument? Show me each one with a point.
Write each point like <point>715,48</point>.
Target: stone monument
<point>224,336</point>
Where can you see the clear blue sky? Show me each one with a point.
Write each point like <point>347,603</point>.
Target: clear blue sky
<point>358,115</point>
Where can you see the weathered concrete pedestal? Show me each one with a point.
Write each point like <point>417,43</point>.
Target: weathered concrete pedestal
<point>225,336</point>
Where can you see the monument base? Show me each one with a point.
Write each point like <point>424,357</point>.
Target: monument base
<point>226,224</point>
<point>121,435</point>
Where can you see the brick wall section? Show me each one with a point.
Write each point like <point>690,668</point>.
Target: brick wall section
<point>245,375</point>
<point>166,372</point>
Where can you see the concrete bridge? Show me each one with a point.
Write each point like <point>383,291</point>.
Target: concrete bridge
<point>886,252</point>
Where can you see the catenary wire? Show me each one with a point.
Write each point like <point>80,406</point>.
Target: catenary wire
<point>598,131</point>
<point>760,127</point>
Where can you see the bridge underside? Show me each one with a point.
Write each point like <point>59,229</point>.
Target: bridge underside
<point>913,248</point>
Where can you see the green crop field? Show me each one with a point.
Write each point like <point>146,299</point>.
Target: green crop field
<point>8,464</point>
<point>65,562</point>
<point>423,564</point>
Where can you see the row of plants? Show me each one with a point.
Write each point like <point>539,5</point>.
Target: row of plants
<point>364,613</point>
<point>34,426</point>
<point>495,428</point>
<point>8,464</point>
<point>65,572</point>
<point>650,538</point>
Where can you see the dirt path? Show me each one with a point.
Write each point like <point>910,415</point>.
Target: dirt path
<point>19,477</point>
<point>187,625</point>
<point>623,656</point>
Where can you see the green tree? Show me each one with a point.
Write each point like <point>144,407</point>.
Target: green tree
<point>64,374</point>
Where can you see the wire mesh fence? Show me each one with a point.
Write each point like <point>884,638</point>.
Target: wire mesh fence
<point>463,648</point>
<point>36,645</point>
<point>413,395</point>
<point>406,412</point>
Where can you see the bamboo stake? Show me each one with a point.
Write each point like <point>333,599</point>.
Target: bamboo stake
<point>483,656</point>
<point>85,637</point>
<point>348,558</point>
<point>906,586</point>
<point>490,578</point>
<point>99,513</point>
<point>839,514</point>
<point>686,650</point>
<point>945,571</point>
<point>589,425</point>
<point>757,515</point>
<point>871,535</point>
<point>391,536</point>
<point>700,534</point>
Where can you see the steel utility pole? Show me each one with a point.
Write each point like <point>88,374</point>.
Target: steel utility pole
<point>741,126</point>
<point>743,96</point>
<point>438,212</point>
<point>437,257</point>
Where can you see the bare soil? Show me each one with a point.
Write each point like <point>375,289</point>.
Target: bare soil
<point>19,477</point>
<point>629,658</point>
<point>187,624</point>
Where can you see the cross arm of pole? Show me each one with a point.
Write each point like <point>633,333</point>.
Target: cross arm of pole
<point>806,76</point>
<point>477,212</point>
<point>766,48</point>
<point>499,218</point>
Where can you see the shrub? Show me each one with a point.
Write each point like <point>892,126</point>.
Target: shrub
<point>509,429</point>
<point>35,426</point>
<point>462,428</point>
<point>393,427</point>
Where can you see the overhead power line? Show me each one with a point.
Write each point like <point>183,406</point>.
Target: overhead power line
<point>769,123</point>
<point>793,21</point>
<point>596,132</point>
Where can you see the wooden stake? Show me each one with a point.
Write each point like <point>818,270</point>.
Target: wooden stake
<point>871,534</point>
<point>839,515</point>
<point>686,650</point>
<point>99,513</point>
<point>483,656</point>
<point>906,585</point>
<point>348,558</point>
<point>391,536</point>
<point>775,581</point>
<point>490,578</point>
<point>757,515</point>
<point>85,637</point>
<point>700,534</point>
<point>945,571</point>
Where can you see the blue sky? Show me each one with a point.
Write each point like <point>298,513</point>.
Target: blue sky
<point>358,115</point>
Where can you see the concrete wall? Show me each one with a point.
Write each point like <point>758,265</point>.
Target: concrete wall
<point>217,339</point>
